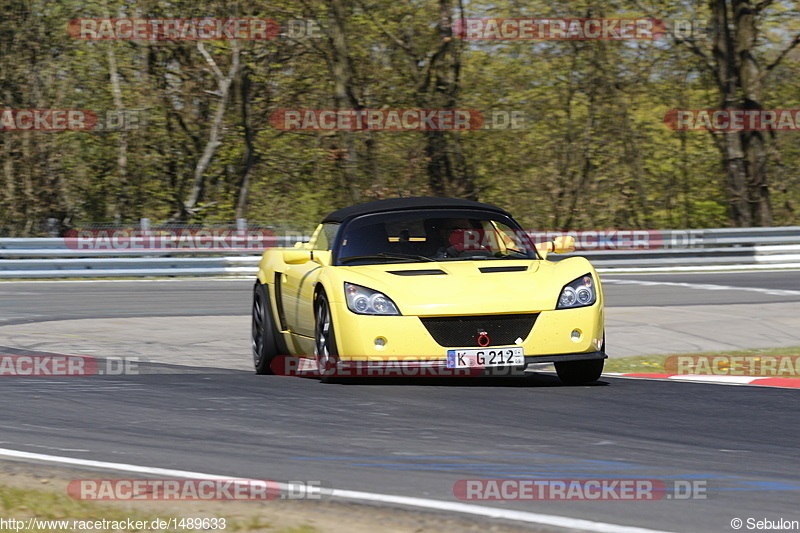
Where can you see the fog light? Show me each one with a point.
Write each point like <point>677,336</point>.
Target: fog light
<point>380,342</point>
<point>576,335</point>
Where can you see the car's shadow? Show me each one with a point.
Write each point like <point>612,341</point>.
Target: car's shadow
<point>532,380</point>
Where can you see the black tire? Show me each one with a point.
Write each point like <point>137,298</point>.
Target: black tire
<point>580,372</point>
<point>264,336</point>
<point>325,351</point>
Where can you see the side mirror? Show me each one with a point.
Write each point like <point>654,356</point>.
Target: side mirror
<point>323,257</point>
<point>560,245</point>
<point>296,256</point>
<point>564,244</point>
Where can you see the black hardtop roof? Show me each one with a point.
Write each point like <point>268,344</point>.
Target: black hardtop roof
<point>403,204</point>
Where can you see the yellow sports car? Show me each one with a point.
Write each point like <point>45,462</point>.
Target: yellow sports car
<point>431,284</point>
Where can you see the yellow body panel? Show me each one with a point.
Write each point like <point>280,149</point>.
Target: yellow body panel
<point>406,336</point>
<point>462,290</point>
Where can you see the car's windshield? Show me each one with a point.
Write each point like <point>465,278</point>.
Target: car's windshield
<point>432,235</point>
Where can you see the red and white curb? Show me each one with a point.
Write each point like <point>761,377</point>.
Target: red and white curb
<point>725,380</point>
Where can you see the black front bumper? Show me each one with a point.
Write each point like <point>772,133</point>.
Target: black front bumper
<point>529,359</point>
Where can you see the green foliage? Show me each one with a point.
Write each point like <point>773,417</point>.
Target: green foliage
<point>595,152</point>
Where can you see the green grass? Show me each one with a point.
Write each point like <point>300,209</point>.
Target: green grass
<point>654,364</point>
<point>22,504</point>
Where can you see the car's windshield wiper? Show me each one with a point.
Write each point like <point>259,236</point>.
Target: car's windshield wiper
<point>386,255</point>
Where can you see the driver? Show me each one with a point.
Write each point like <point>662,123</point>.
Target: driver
<point>453,236</point>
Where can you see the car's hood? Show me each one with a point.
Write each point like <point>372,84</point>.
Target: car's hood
<point>465,287</point>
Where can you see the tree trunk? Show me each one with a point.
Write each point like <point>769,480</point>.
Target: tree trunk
<point>745,16</point>
<point>215,133</point>
<point>448,170</point>
<point>121,211</point>
<point>345,93</point>
<point>740,86</point>
<point>250,157</point>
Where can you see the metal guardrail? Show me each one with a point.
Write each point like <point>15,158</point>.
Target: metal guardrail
<point>711,249</point>
<point>732,258</point>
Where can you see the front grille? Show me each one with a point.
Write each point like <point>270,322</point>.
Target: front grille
<point>455,331</point>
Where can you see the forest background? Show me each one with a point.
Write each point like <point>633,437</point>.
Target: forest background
<point>199,147</point>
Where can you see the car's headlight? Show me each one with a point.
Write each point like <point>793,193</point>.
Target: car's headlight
<point>579,293</point>
<point>366,301</point>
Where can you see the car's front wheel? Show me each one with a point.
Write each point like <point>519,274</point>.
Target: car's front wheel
<point>580,372</point>
<point>263,331</point>
<point>325,340</point>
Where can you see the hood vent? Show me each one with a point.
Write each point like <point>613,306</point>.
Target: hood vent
<point>422,272</point>
<point>490,270</point>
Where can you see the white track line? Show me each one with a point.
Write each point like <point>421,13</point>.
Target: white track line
<point>704,272</point>
<point>489,512</point>
<point>700,286</point>
<point>698,269</point>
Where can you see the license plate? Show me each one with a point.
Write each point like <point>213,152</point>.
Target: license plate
<point>482,357</point>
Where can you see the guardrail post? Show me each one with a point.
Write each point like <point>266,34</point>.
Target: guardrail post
<point>52,227</point>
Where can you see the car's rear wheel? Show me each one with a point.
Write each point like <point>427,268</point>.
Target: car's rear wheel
<point>580,372</point>
<point>264,336</point>
<point>325,351</point>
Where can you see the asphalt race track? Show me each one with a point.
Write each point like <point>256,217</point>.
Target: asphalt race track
<point>36,301</point>
<point>418,439</point>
